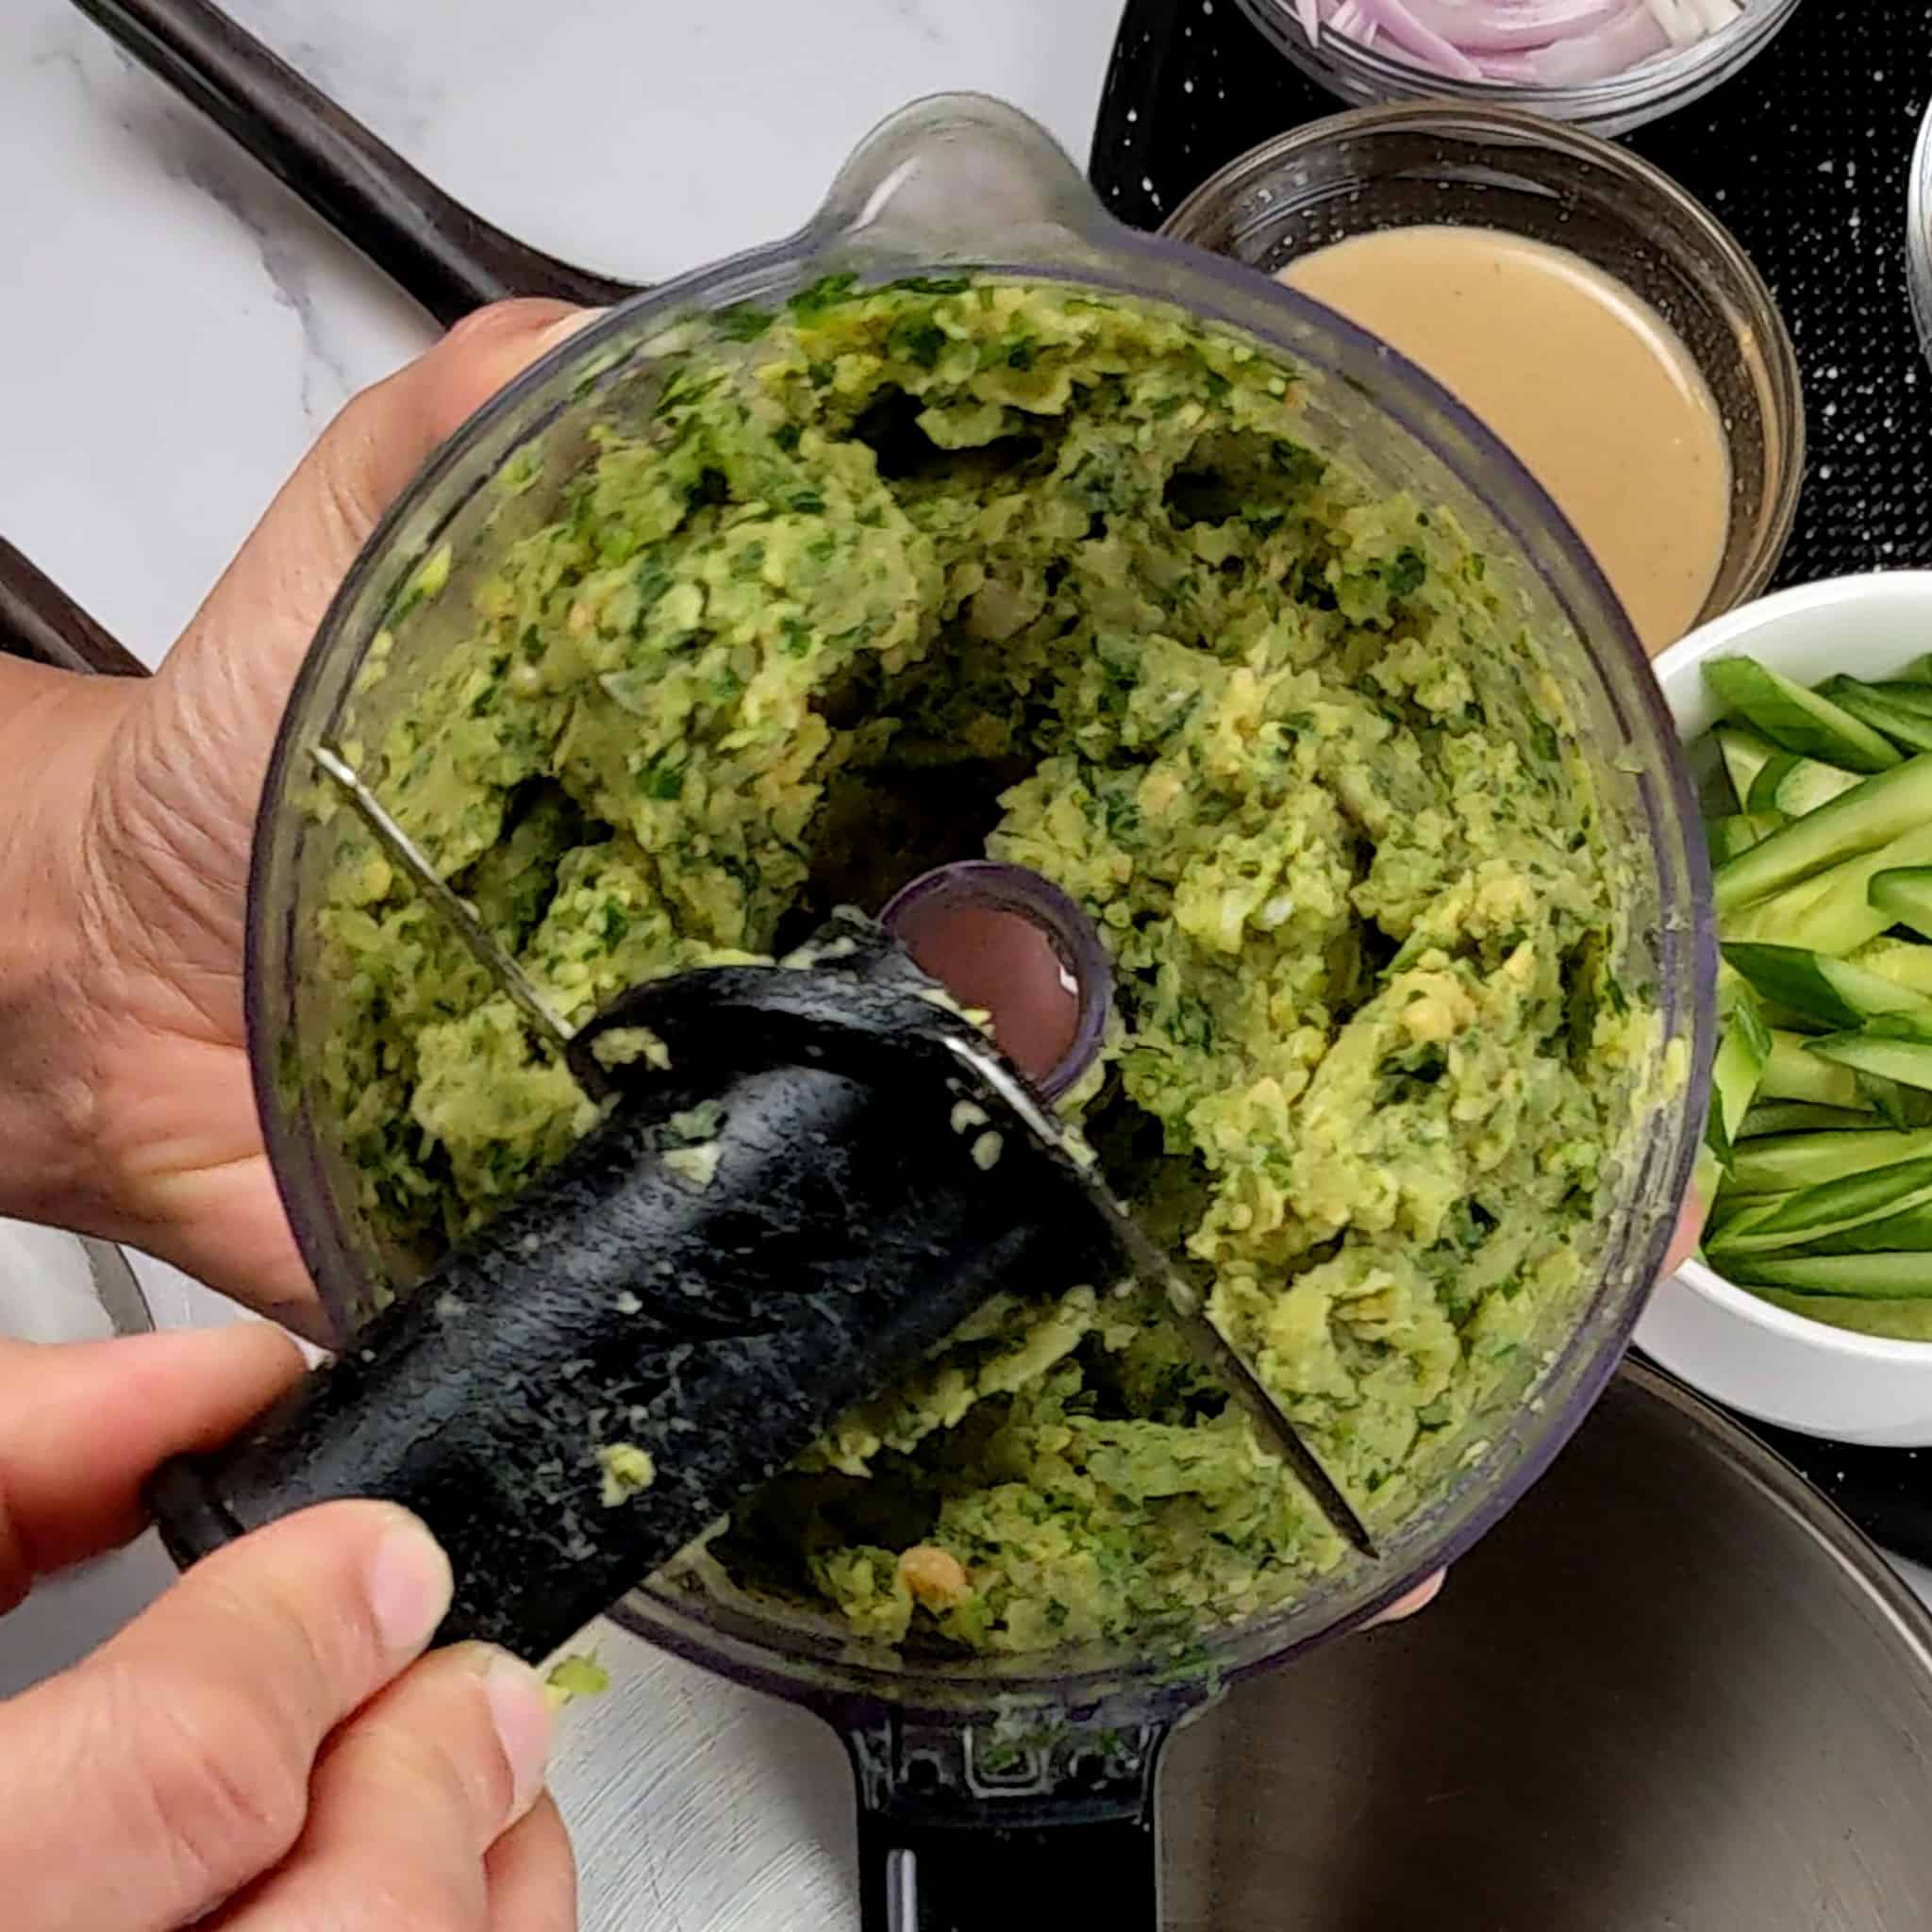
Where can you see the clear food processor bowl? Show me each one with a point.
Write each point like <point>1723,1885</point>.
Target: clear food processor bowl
<point>964,182</point>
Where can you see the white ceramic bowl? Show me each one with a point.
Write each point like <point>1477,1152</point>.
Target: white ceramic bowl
<point>1777,1366</point>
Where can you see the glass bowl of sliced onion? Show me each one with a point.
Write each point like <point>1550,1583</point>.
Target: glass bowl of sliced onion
<point>1919,233</point>
<point>1606,65</point>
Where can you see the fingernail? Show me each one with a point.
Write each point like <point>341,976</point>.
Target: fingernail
<point>409,1585</point>
<point>562,331</point>
<point>520,1710</point>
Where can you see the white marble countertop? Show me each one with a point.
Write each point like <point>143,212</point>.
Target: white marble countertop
<point>178,330</point>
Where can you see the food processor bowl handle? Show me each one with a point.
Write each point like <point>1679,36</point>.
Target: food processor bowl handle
<point>448,258</point>
<point>961,1829</point>
<point>966,1878</point>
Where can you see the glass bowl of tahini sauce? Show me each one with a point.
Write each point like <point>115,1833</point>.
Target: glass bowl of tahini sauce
<point>1593,315</point>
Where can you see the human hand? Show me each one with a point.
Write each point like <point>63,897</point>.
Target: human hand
<point>133,1115</point>
<point>262,1751</point>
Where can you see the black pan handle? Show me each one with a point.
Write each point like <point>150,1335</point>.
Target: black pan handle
<point>39,620</point>
<point>434,248</point>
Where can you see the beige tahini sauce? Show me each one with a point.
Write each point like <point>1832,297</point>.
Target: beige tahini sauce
<point>1579,375</point>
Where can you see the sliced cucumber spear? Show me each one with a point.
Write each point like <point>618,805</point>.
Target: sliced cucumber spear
<point>1894,1317</point>
<point>1795,719</point>
<point>1886,1049</point>
<point>1820,988</point>
<point>1913,695</point>
<point>1817,1194</point>
<point>1794,786</point>
<point>1902,724</point>
<point>1904,1107</point>
<point>1866,1277</point>
<point>1738,1214</point>
<point>1904,894</point>
<point>1903,961</point>
<point>1742,1050</point>
<point>1834,1207</point>
<point>1778,1117</point>
<point>1707,1177</point>
<point>1792,1073</point>
<point>1873,813</point>
<point>1746,753</point>
<point>1893,1234</point>
<point>1830,912</point>
<point>1810,1160</point>
<point>1727,837</point>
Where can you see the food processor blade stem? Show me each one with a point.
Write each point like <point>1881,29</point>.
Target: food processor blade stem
<point>509,978</point>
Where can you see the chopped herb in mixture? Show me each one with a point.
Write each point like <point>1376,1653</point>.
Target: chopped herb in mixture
<point>900,576</point>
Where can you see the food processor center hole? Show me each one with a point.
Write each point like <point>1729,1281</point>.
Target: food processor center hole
<point>1004,942</point>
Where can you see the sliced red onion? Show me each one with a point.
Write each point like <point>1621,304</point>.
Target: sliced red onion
<point>1633,37</point>
<point>1513,26</point>
<point>1397,19</point>
<point>1521,43</point>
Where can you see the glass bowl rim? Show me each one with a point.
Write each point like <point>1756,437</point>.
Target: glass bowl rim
<point>1616,104</point>
<point>1716,256</point>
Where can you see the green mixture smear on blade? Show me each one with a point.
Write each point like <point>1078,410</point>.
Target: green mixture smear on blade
<point>904,575</point>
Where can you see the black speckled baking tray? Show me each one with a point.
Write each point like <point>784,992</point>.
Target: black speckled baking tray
<point>1805,156</point>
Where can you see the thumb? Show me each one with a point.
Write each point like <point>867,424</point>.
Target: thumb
<point>371,451</point>
<point>278,587</point>
<point>204,742</point>
<point>1690,1225</point>
<point>144,1788</point>
<point>69,1488</point>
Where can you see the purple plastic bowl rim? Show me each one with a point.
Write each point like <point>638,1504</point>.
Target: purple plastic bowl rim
<point>1075,941</point>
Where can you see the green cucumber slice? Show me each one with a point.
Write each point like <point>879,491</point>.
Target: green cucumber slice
<point>1897,1277</point>
<point>1795,1117</point>
<point>1733,1213</point>
<point>1809,1161</point>
<point>1834,1205</point>
<point>1820,987</point>
<point>1873,813</point>
<point>1896,1319</point>
<point>1795,719</point>
<point>1746,753</point>
<point>1904,894</point>
<point>1792,1073</point>
<point>1707,1177</point>
<point>1794,786</point>
<point>1904,961</point>
<point>1900,1106</point>
<point>1831,911</point>
<point>1738,1067</point>
<point>1895,1234</point>
<point>1727,837</point>
<point>1812,1214</point>
<point>1880,1049</point>
<point>1900,722</point>
<point>1915,695</point>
